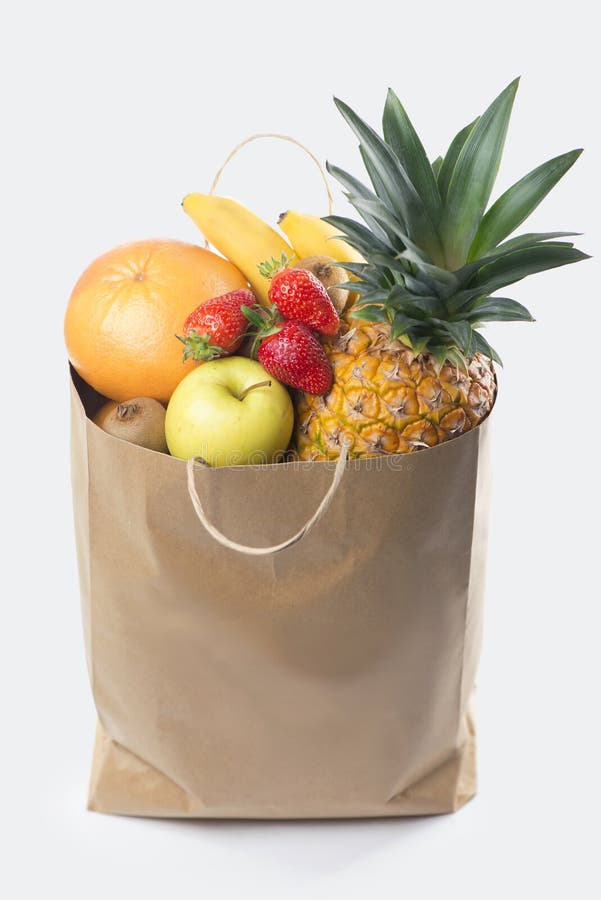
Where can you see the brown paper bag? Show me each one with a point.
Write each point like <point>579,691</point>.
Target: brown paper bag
<point>333,679</point>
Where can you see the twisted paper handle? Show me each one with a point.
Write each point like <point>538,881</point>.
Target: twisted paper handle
<point>279,137</point>
<point>339,470</point>
<point>277,548</point>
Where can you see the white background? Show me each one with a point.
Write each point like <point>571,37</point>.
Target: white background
<point>111,113</point>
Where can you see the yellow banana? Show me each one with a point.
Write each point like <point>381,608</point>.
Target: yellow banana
<point>311,236</point>
<point>242,237</point>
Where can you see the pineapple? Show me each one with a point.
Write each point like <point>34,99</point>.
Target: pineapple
<point>411,367</point>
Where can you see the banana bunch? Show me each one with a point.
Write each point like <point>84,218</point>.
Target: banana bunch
<point>247,241</point>
<point>311,236</point>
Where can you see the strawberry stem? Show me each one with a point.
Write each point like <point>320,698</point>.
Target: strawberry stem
<point>269,267</point>
<point>199,348</point>
<point>266,320</point>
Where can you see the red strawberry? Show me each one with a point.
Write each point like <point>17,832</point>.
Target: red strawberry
<point>299,295</point>
<point>217,327</point>
<point>294,356</point>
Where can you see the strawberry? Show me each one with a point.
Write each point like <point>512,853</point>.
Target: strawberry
<point>216,327</point>
<point>295,357</point>
<point>300,295</point>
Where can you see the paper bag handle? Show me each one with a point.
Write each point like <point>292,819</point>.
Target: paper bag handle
<point>339,470</point>
<point>278,137</point>
<point>277,548</point>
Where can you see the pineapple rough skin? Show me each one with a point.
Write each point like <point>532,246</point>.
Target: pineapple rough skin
<point>386,399</point>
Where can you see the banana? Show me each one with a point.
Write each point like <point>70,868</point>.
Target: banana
<point>311,236</point>
<point>242,237</point>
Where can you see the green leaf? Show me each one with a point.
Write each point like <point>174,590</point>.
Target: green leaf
<point>522,242</point>
<point>391,262</point>
<point>463,300</point>
<point>375,278</point>
<point>408,251</point>
<point>499,309</point>
<point>516,204</point>
<point>440,354</point>
<point>417,286</point>
<point>254,317</point>
<point>367,274</point>
<point>369,314</point>
<point>375,210</point>
<point>349,182</point>
<point>517,265</point>
<point>379,296</point>
<point>460,333</point>
<point>378,183</point>
<point>400,134</point>
<point>448,164</point>
<point>400,324</point>
<point>398,294</point>
<point>357,287</point>
<point>423,308</point>
<point>358,269</point>
<point>423,281</point>
<point>473,178</point>
<point>436,164</point>
<point>355,188</point>
<point>394,185</point>
<point>444,283</point>
<point>419,344</point>
<point>481,345</point>
<point>529,240</point>
<point>384,171</point>
<point>418,277</point>
<point>451,355</point>
<point>362,237</point>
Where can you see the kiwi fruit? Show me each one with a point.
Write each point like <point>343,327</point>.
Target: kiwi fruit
<point>140,421</point>
<point>329,273</point>
<point>104,411</point>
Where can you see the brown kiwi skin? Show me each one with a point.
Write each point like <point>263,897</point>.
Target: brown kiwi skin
<point>105,410</point>
<point>140,421</point>
<point>329,273</point>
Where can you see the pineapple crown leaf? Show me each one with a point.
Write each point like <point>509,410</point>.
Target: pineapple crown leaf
<point>391,180</point>
<point>450,159</point>
<point>436,165</point>
<point>515,205</point>
<point>402,137</point>
<point>433,253</point>
<point>473,177</point>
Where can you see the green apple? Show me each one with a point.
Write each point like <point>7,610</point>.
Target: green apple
<point>230,412</point>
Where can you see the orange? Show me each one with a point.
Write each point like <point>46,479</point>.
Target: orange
<point>127,307</point>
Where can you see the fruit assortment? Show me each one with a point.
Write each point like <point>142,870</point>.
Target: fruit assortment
<point>364,333</point>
